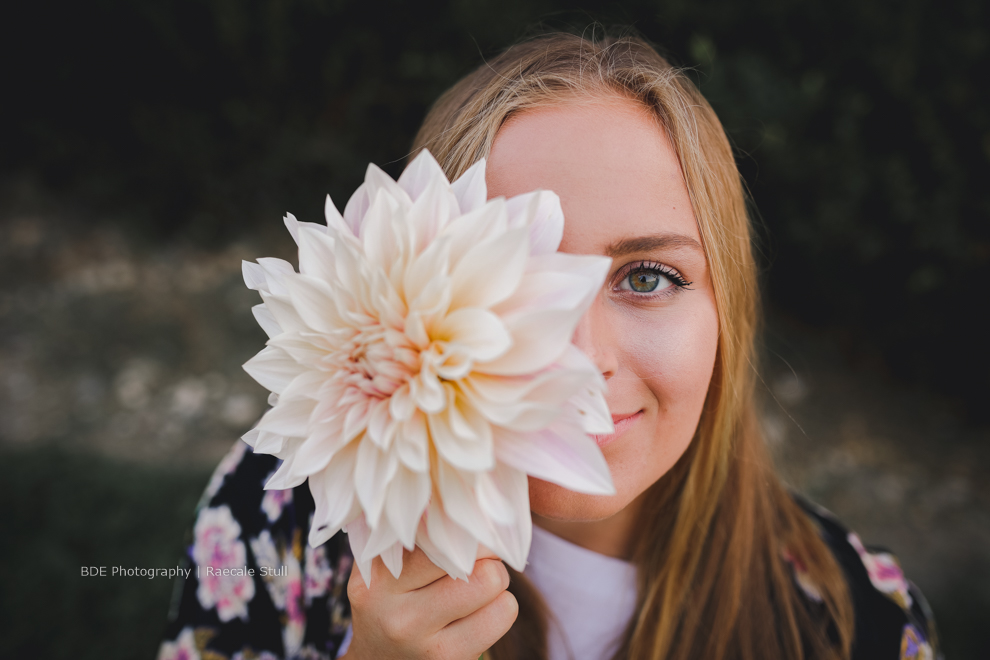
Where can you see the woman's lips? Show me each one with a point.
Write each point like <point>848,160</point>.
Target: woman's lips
<point>621,422</point>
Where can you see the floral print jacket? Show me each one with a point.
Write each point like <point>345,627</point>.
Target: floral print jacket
<point>256,590</point>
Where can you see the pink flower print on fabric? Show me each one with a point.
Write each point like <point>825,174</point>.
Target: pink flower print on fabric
<point>183,648</point>
<point>249,655</point>
<point>914,646</point>
<point>295,625</point>
<point>283,580</point>
<point>884,571</point>
<point>319,574</point>
<point>801,577</point>
<point>264,655</point>
<point>218,547</point>
<point>274,501</point>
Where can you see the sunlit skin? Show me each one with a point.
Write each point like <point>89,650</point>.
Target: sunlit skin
<point>623,196</point>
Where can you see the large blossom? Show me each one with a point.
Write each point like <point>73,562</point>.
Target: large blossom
<point>421,367</point>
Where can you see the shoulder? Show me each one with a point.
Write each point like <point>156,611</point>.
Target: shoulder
<point>892,617</point>
<point>254,587</point>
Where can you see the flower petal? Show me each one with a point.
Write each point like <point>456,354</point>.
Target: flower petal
<point>480,331</point>
<point>470,188</point>
<point>407,498</point>
<point>489,272</point>
<point>447,544</point>
<point>563,455</point>
<point>420,173</point>
<point>373,472</point>
<point>540,212</point>
<point>273,368</point>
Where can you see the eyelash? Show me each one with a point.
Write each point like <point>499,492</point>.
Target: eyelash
<point>678,281</point>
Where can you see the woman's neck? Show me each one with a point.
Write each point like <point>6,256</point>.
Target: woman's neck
<point>610,536</point>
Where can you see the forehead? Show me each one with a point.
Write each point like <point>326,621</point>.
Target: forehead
<point>612,166</point>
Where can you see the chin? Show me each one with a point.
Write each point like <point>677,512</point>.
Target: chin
<point>556,502</point>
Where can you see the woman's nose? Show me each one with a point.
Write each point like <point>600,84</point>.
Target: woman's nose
<point>593,337</point>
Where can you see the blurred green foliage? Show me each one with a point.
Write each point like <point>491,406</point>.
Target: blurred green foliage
<point>61,512</point>
<point>863,130</point>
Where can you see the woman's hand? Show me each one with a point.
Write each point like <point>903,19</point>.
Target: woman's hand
<point>428,614</point>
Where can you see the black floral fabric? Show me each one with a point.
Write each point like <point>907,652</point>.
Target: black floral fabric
<point>255,590</point>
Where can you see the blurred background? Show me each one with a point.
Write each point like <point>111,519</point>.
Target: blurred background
<point>148,146</point>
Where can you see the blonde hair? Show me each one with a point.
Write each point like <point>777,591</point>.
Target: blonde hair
<point>713,583</point>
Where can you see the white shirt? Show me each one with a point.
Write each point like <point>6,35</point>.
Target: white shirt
<point>591,597</point>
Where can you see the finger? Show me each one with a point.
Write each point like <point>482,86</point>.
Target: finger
<point>448,599</point>
<point>417,571</point>
<point>476,633</point>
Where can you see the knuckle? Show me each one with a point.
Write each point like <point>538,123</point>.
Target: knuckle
<point>491,575</point>
<point>506,610</point>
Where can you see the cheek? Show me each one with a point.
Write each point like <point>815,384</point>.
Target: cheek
<point>676,362</point>
<point>665,364</point>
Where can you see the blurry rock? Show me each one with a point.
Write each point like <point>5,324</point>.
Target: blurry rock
<point>189,397</point>
<point>240,410</point>
<point>135,383</point>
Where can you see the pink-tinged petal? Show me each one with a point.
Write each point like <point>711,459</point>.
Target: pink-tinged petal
<point>564,455</point>
<point>447,544</point>
<point>427,392</point>
<point>373,472</point>
<point>286,476</point>
<point>470,188</point>
<point>474,228</point>
<point>539,339</point>
<point>356,207</point>
<point>285,314</point>
<point>416,330</point>
<point>382,538</point>
<point>319,449</point>
<point>305,348</point>
<point>420,173</point>
<point>540,212</point>
<point>512,541</point>
<point>335,221</point>
<point>413,443</point>
<point>490,272</point>
<point>306,385</point>
<point>315,302</point>
<point>266,320</point>
<point>254,276</point>
<point>392,558</point>
<point>379,423</point>
<point>294,225</point>
<point>458,492</point>
<point>468,455</point>
<point>408,495</point>
<point>431,212</point>
<point>268,443</point>
<point>482,333</point>
<point>494,504</point>
<point>401,405</point>
<point>289,418</point>
<point>377,180</point>
<point>333,494</point>
<point>358,533</point>
<point>273,368</point>
<point>427,272</point>
<point>385,233</point>
<point>317,257</point>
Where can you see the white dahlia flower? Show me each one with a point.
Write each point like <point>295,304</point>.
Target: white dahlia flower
<point>421,367</point>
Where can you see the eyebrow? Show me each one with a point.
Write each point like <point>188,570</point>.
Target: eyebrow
<point>652,242</point>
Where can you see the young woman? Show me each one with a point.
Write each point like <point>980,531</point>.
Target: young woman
<point>701,553</point>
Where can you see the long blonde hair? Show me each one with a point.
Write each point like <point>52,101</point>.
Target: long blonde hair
<point>713,583</point>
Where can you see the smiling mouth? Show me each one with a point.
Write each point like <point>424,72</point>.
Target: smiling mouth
<point>621,422</point>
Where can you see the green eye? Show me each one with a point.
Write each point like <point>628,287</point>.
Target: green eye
<point>644,281</point>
